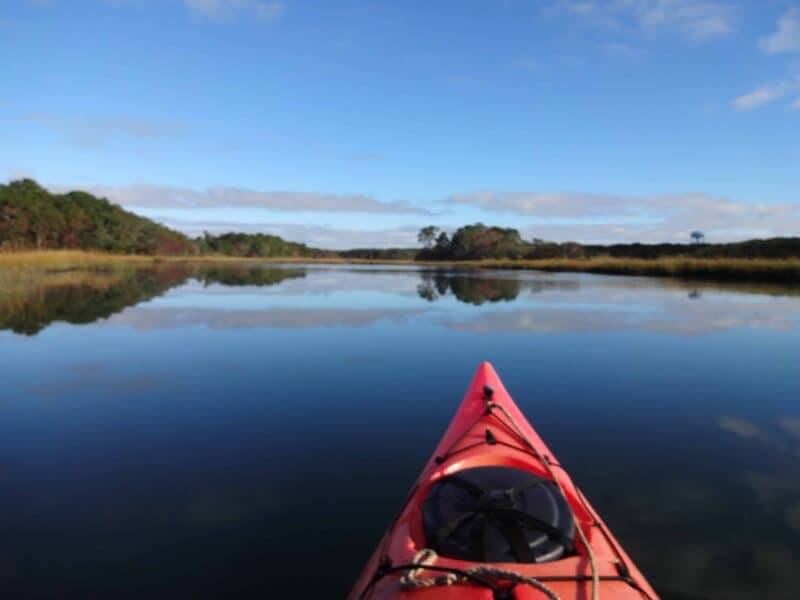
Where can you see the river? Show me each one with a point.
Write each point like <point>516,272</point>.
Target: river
<point>196,431</point>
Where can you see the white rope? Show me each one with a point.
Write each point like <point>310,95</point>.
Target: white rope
<point>427,556</point>
<point>412,579</point>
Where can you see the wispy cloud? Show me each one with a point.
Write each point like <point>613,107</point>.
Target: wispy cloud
<point>96,132</point>
<point>366,156</point>
<point>785,39</point>
<point>19,173</point>
<point>668,313</point>
<point>145,195</point>
<point>266,10</point>
<point>218,10</point>
<point>787,36</point>
<point>764,95</point>
<point>526,63</point>
<point>464,80</point>
<point>695,19</point>
<point>608,218</point>
<point>619,48</point>
<point>318,236</point>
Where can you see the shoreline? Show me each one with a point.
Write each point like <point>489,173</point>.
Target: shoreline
<point>719,269</point>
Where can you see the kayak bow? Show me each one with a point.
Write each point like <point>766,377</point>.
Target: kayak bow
<point>494,516</point>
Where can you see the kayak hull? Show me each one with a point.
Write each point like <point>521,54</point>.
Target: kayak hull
<point>514,443</point>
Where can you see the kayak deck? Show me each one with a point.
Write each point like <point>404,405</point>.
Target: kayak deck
<point>489,430</point>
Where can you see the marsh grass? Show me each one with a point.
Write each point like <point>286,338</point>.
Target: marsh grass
<point>720,269</point>
<point>64,260</point>
<point>784,270</point>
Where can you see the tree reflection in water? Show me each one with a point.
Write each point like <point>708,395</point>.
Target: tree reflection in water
<point>32,301</point>
<point>470,288</point>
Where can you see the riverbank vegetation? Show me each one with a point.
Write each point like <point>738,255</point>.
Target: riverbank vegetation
<point>46,231</point>
<point>758,269</point>
<point>32,298</point>
<point>482,242</point>
<point>33,218</point>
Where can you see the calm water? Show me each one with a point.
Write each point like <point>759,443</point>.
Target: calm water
<point>193,432</point>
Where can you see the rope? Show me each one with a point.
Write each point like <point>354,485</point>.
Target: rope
<point>412,580</point>
<point>427,556</point>
<point>546,462</point>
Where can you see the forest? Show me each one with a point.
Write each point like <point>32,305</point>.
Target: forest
<point>482,242</point>
<point>33,218</point>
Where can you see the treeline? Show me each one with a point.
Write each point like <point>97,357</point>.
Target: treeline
<point>766,248</point>
<point>380,253</point>
<point>254,245</point>
<point>479,242</point>
<point>32,218</point>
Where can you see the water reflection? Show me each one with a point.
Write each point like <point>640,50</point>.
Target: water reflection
<point>31,302</point>
<point>210,412</point>
<point>307,296</point>
<point>471,289</point>
<point>156,318</point>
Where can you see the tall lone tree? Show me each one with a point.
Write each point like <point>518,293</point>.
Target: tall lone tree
<point>427,236</point>
<point>698,236</point>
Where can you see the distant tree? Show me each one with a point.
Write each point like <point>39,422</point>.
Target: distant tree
<point>443,245</point>
<point>427,236</point>
<point>698,236</point>
<point>475,242</point>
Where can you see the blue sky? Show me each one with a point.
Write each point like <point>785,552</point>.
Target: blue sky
<point>344,123</point>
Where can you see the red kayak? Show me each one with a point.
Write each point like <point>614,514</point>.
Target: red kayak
<point>493,516</point>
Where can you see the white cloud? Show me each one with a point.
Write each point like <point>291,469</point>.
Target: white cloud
<point>586,218</point>
<point>267,10</point>
<point>526,63</point>
<point>787,37</point>
<point>145,195</point>
<point>619,49</point>
<point>95,132</point>
<point>763,95</point>
<point>593,218</point>
<point>317,236</point>
<point>19,173</point>
<point>695,19</point>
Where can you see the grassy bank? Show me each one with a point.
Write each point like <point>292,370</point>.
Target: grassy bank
<point>784,270</point>
<point>720,269</point>
<point>65,260</point>
<point>57,260</point>
<point>772,270</point>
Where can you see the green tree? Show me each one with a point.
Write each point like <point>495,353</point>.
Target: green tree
<point>427,236</point>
